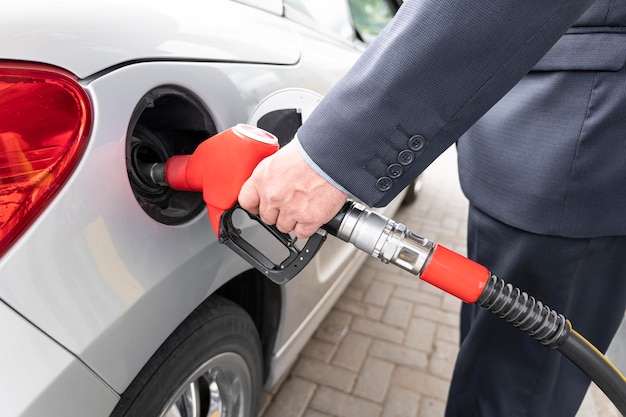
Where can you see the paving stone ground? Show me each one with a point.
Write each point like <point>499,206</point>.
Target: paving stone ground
<point>388,347</point>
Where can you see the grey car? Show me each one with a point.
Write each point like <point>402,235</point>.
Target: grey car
<point>116,297</point>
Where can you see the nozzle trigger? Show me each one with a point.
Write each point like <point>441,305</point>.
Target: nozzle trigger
<point>279,272</point>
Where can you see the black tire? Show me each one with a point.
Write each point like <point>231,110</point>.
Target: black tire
<point>212,360</point>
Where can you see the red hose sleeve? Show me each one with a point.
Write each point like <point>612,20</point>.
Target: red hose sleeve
<point>455,274</point>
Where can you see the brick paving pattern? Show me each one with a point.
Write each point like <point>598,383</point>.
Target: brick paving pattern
<point>388,347</point>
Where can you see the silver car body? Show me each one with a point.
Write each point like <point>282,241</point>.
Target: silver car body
<point>94,286</point>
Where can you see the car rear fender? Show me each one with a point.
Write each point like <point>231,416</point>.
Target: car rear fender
<point>39,377</point>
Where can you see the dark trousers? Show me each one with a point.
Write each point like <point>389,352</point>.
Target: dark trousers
<point>502,372</point>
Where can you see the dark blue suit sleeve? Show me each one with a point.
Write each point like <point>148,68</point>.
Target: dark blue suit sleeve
<point>431,74</point>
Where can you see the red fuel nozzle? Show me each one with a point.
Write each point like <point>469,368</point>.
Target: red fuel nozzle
<point>219,167</point>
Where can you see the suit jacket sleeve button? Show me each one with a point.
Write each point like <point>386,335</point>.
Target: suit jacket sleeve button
<point>384,183</point>
<point>416,142</point>
<point>395,170</point>
<point>405,157</point>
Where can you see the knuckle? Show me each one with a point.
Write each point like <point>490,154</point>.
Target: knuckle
<point>303,231</point>
<point>268,216</point>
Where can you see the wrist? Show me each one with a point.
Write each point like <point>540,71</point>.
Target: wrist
<point>305,156</point>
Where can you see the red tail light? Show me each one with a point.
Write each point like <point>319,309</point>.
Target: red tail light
<point>45,118</point>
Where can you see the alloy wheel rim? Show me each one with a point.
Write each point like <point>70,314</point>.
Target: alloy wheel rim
<point>220,387</point>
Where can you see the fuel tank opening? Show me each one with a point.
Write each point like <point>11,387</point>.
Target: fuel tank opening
<point>168,121</point>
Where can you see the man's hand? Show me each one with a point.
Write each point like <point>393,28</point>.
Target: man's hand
<point>285,191</point>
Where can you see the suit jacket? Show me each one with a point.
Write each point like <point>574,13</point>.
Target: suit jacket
<point>548,157</point>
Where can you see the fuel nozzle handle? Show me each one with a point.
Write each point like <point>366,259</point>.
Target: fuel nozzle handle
<point>393,243</point>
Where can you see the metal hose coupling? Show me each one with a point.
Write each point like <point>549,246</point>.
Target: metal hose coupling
<point>381,237</point>
<point>525,312</point>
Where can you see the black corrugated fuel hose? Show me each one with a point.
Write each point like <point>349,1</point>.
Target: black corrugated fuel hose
<point>555,331</point>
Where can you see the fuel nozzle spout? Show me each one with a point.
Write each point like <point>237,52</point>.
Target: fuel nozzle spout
<point>153,173</point>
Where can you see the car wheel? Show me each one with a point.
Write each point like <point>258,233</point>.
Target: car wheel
<point>210,366</point>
